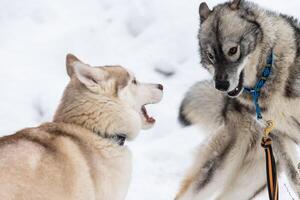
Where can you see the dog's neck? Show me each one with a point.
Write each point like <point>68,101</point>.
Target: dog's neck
<point>118,138</point>
<point>105,116</point>
<point>257,59</point>
<point>255,65</point>
<point>273,39</point>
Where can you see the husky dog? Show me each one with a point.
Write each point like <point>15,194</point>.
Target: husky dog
<point>236,39</point>
<point>80,155</point>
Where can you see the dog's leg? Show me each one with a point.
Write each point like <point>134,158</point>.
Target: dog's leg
<point>289,161</point>
<point>210,170</point>
<point>203,105</point>
<point>249,178</point>
<point>249,181</point>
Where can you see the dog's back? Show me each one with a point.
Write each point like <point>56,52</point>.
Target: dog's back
<point>61,161</point>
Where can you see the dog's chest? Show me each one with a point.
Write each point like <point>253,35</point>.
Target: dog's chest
<point>286,115</point>
<point>111,172</point>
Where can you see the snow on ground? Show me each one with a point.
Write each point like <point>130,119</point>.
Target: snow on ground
<point>142,35</point>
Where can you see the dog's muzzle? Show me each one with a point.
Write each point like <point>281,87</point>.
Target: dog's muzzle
<point>222,85</point>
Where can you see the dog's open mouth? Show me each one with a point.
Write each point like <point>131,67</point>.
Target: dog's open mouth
<point>237,91</point>
<point>149,119</point>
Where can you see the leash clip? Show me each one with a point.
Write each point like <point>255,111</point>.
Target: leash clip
<point>270,125</point>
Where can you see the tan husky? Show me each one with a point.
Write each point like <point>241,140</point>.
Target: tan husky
<point>80,155</point>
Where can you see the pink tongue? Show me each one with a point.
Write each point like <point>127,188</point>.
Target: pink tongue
<point>150,120</point>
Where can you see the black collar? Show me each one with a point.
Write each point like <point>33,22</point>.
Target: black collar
<point>118,138</point>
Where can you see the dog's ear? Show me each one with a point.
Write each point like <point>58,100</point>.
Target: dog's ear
<point>235,4</point>
<point>204,11</point>
<point>70,60</point>
<point>89,76</point>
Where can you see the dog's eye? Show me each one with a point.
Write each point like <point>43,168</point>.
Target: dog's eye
<point>134,81</point>
<point>232,51</point>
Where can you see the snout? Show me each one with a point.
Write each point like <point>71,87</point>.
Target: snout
<point>232,84</point>
<point>157,93</point>
<point>152,94</point>
<point>222,85</point>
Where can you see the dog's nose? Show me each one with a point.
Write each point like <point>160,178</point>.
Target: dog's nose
<point>160,86</point>
<point>222,85</point>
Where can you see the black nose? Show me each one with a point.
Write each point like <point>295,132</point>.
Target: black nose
<point>222,85</point>
<point>160,86</point>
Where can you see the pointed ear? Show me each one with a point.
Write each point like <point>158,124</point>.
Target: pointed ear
<point>70,60</point>
<point>235,4</point>
<point>89,76</point>
<point>204,12</point>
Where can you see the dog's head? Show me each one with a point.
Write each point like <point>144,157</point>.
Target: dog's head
<point>227,36</point>
<point>107,99</point>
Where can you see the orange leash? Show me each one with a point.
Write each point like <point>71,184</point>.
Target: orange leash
<point>270,162</point>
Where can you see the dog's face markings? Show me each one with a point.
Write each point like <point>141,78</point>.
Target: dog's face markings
<point>227,36</point>
<point>117,82</point>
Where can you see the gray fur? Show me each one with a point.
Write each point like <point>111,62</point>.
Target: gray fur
<point>238,133</point>
<point>204,11</point>
<point>189,112</point>
<point>235,4</point>
<point>214,164</point>
<point>260,190</point>
<point>217,37</point>
<point>257,32</point>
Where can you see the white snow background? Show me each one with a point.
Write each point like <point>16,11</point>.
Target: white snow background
<point>142,35</point>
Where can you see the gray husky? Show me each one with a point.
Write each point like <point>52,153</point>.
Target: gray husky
<point>236,39</point>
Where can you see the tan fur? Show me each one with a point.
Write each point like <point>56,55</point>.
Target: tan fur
<point>84,108</point>
<point>62,161</point>
<point>186,183</point>
<point>74,157</point>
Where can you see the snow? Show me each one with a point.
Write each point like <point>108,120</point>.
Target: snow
<point>142,35</point>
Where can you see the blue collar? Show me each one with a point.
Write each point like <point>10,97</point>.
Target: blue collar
<point>255,92</point>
